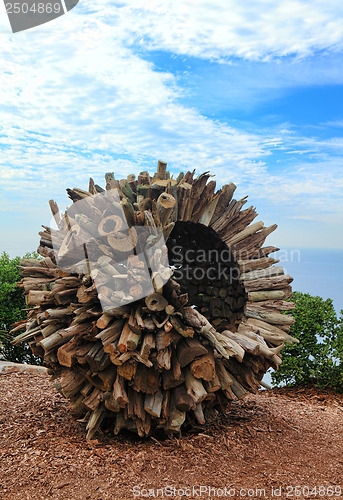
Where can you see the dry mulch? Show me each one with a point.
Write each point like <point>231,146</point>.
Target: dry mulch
<point>277,438</point>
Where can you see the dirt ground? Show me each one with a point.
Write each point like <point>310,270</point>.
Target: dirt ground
<point>277,444</point>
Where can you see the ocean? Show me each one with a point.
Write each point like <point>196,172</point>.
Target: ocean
<point>315,271</point>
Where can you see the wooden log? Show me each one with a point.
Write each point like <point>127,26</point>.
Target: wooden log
<point>223,202</point>
<point>82,351</point>
<point>222,344</point>
<point>111,183</point>
<point>194,387</point>
<point>86,295</point>
<point>127,190</point>
<point>156,302</point>
<point>64,297</point>
<point>111,333</point>
<point>87,389</point>
<point>254,264</point>
<point>245,233</point>
<point>173,377</point>
<point>203,201</point>
<point>183,194</point>
<point>159,186</point>
<point>92,401</point>
<point>165,407</point>
<point>123,242</point>
<point>133,340</point>
<point>129,212</point>
<point>248,247</point>
<point>120,423</point>
<point>264,350</point>
<point>228,215</point>
<point>199,414</point>
<point>153,404</point>
<point>27,335</point>
<point>119,393</point>
<point>180,327</point>
<point>183,400</point>
<point>244,375</point>
<point>111,405</point>
<point>30,263</point>
<point>208,212</point>
<point>103,321</point>
<point>165,204</point>
<point>223,375</point>
<point>161,170</point>
<point>76,406</point>
<point>147,345</point>
<point>97,358</point>
<point>189,349</point>
<point>163,358</point>
<point>146,380</point>
<point>250,346</point>
<point>270,295</point>
<point>106,378</point>
<point>19,325</point>
<point>36,297</point>
<point>126,334</point>
<point>204,367</point>
<point>165,339</point>
<point>262,273</point>
<point>238,223</point>
<point>269,332</point>
<point>43,284</point>
<point>127,369</point>
<point>66,354</point>
<point>48,262</point>
<point>198,187</point>
<point>258,312</point>
<point>239,391</point>
<point>274,283</point>
<point>62,336</point>
<point>176,418</point>
<point>167,230</point>
<point>38,272</point>
<point>212,385</point>
<point>71,383</point>
<point>278,305</point>
<point>94,422</point>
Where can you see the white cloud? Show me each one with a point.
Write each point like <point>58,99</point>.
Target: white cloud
<point>77,97</point>
<point>224,28</point>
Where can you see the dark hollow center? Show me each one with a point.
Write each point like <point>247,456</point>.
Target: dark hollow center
<point>207,271</point>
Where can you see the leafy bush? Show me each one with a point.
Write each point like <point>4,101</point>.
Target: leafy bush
<point>12,303</point>
<point>318,358</point>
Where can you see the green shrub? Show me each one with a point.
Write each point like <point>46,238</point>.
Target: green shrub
<point>12,304</point>
<point>318,358</point>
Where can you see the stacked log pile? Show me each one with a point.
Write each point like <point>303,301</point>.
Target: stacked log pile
<point>190,346</point>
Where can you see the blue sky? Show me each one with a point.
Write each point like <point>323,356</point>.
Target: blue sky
<point>252,91</point>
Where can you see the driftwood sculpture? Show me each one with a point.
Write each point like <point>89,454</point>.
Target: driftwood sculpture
<point>156,303</point>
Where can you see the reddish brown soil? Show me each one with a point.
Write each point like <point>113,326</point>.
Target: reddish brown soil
<point>280,438</point>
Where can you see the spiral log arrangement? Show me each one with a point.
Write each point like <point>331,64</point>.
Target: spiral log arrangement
<point>206,333</point>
